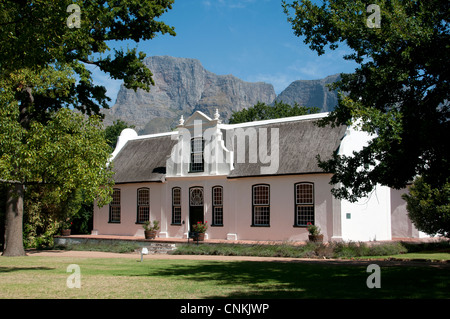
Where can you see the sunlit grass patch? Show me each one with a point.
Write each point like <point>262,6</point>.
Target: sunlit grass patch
<point>127,278</point>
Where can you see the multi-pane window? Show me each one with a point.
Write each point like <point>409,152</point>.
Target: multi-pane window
<point>143,205</point>
<point>114,207</point>
<point>197,160</point>
<point>176,205</point>
<point>217,205</point>
<point>304,204</point>
<point>261,205</point>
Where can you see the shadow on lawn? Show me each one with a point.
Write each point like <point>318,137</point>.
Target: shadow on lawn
<point>297,280</point>
<point>11,269</point>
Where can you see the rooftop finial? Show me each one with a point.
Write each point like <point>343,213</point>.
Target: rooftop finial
<point>181,122</point>
<point>216,115</point>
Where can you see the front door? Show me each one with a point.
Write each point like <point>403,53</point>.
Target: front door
<point>195,206</point>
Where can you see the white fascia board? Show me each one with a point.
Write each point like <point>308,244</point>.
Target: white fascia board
<point>129,134</point>
<point>280,120</point>
<point>143,137</point>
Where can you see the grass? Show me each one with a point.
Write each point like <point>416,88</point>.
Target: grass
<point>45,277</point>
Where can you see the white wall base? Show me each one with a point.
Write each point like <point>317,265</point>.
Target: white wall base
<point>231,236</point>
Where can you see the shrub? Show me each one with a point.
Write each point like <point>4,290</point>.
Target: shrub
<point>309,250</point>
<point>386,249</point>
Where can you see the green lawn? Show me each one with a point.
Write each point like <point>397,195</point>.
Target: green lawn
<point>45,277</point>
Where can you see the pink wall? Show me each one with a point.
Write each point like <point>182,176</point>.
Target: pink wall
<point>237,208</point>
<point>401,224</point>
<point>127,225</point>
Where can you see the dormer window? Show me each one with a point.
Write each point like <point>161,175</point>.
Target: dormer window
<point>197,160</point>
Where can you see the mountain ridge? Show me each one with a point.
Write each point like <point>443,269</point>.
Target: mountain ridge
<point>183,86</point>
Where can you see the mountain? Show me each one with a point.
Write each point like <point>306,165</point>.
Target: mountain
<point>311,93</point>
<point>183,86</point>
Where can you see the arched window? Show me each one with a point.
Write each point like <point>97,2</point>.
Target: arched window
<point>114,207</point>
<point>196,196</point>
<point>143,205</point>
<point>261,205</point>
<point>304,204</point>
<point>217,206</point>
<point>176,206</point>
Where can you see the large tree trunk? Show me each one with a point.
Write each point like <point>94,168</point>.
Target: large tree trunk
<point>14,201</point>
<point>14,221</point>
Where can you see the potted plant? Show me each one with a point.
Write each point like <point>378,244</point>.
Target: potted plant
<point>151,229</point>
<point>65,231</point>
<point>314,233</point>
<point>200,228</point>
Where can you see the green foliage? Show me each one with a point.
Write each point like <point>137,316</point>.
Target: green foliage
<point>43,74</point>
<point>429,208</point>
<point>149,227</point>
<point>313,230</point>
<point>69,152</point>
<point>35,37</point>
<point>58,160</point>
<point>113,131</point>
<point>118,247</point>
<point>262,111</point>
<point>310,250</point>
<point>354,249</point>
<point>46,213</point>
<point>200,227</point>
<point>42,69</point>
<point>399,93</point>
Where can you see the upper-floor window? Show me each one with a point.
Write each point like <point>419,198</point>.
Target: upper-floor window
<point>197,160</point>
<point>261,205</point>
<point>143,205</point>
<point>304,204</point>
<point>114,207</point>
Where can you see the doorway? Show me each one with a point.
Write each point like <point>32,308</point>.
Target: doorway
<point>195,206</point>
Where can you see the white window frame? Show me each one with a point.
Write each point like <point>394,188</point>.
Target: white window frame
<point>304,206</point>
<point>260,206</point>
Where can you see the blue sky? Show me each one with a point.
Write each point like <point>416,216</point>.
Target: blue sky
<point>250,39</point>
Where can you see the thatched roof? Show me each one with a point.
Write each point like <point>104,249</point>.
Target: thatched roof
<point>143,160</point>
<point>299,144</point>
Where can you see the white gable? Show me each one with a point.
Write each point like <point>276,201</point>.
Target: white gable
<point>197,117</point>
<point>217,159</point>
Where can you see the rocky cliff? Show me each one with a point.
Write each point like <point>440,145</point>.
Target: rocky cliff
<point>311,93</point>
<point>183,86</point>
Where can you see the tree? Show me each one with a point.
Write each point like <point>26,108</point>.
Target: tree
<point>428,208</point>
<point>45,47</point>
<point>46,213</point>
<point>262,111</point>
<point>113,132</point>
<point>68,153</point>
<point>399,93</point>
